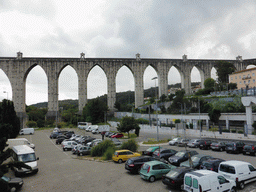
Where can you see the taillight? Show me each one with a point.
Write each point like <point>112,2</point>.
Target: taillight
<point>211,169</point>
<point>205,142</point>
<point>200,188</point>
<point>237,179</point>
<point>148,169</point>
<point>217,145</point>
<point>173,182</point>
<point>243,147</point>
<point>131,165</point>
<point>252,147</point>
<point>158,154</point>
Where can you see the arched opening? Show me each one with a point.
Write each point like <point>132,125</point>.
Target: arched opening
<point>36,86</point>
<point>250,66</point>
<point>124,83</point>
<point>5,87</point>
<point>150,79</point>
<point>214,74</point>
<point>196,82</point>
<point>174,80</point>
<point>97,83</point>
<point>68,84</point>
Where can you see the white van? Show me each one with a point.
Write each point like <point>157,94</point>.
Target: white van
<point>19,141</point>
<point>239,171</point>
<point>206,180</point>
<point>27,131</point>
<point>26,155</point>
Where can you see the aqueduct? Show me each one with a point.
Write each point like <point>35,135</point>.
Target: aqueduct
<point>17,69</point>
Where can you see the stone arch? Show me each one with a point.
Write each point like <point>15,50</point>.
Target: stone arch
<point>174,77</point>
<point>90,81</point>
<point>74,86</point>
<point>196,70</point>
<point>250,66</point>
<point>147,79</point>
<point>5,86</point>
<point>214,73</point>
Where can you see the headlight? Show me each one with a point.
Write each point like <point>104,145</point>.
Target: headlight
<point>20,183</point>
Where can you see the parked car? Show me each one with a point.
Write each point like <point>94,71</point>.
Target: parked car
<point>54,135</point>
<point>110,134</point>
<point>194,143</point>
<point>211,164</point>
<point>123,155</point>
<point>75,148</point>
<point>87,139</point>
<point>197,161</point>
<point>150,150</point>
<point>181,156</point>
<point>153,170</point>
<point>116,141</point>
<point>234,147</point>
<point>13,183</point>
<point>60,138</point>
<point>69,134</point>
<point>134,164</point>
<point>107,133</point>
<point>218,146</point>
<point>175,177</point>
<point>117,135</point>
<point>240,172</point>
<point>83,150</point>
<point>205,144</point>
<point>163,154</point>
<point>205,180</point>
<point>249,149</point>
<point>183,142</point>
<point>175,141</point>
<point>68,145</point>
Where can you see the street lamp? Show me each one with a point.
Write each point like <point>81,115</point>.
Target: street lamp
<point>6,93</point>
<point>155,78</point>
<point>199,118</point>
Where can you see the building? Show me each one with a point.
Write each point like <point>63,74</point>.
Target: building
<point>244,78</point>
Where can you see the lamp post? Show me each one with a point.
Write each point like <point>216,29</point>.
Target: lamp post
<point>6,93</point>
<point>182,121</point>
<point>155,78</point>
<point>199,118</point>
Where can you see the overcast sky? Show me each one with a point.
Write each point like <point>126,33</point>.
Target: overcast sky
<point>212,29</point>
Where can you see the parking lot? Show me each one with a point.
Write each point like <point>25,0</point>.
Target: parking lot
<point>62,171</point>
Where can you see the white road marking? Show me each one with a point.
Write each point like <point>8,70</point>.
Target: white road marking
<point>55,145</point>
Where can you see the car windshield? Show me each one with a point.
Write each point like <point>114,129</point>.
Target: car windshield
<point>172,174</point>
<point>7,179</point>
<point>180,154</point>
<point>175,139</point>
<point>195,159</point>
<point>27,157</point>
<point>207,165</point>
<point>150,149</point>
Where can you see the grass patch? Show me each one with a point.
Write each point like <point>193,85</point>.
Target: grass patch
<point>132,135</point>
<point>154,141</point>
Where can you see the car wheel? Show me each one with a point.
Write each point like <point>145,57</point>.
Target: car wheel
<point>152,179</point>
<point>233,189</point>
<point>241,185</point>
<point>120,161</point>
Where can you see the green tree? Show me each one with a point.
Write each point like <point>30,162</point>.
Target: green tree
<point>163,98</point>
<point>224,68</point>
<point>94,111</point>
<point>127,124</point>
<point>31,124</point>
<point>232,86</point>
<point>209,83</point>
<point>214,116</point>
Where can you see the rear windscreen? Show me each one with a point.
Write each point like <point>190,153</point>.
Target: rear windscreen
<point>227,169</point>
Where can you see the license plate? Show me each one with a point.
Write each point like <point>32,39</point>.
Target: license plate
<point>201,145</point>
<point>247,152</point>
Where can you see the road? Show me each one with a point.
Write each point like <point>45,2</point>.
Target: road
<point>62,171</point>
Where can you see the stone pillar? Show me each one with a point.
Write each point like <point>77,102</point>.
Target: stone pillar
<point>227,123</point>
<point>187,81</point>
<point>205,75</point>
<point>139,92</point>
<point>163,80</point>
<point>18,90</point>
<point>82,93</point>
<point>111,78</point>
<point>207,124</point>
<point>247,102</point>
<point>53,104</point>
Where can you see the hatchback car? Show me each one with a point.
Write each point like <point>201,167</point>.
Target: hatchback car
<point>175,177</point>
<point>175,141</point>
<point>123,155</point>
<point>134,164</point>
<point>234,147</point>
<point>13,183</point>
<point>117,135</point>
<point>68,145</point>
<point>194,143</point>
<point>83,150</point>
<point>181,156</point>
<point>218,146</point>
<point>205,144</point>
<point>150,150</point>
<point>60,138</point>
<point>163,154</point>
<point>183,142</point>
<point>54,135</point>
<point>249,149</point>
<point>211,164</point>
<point>197,161</point>
<point>155,170</point>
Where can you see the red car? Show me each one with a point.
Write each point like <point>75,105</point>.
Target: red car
<point>117,135</point>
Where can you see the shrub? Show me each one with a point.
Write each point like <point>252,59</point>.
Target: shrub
<point>233,131</point>
<point>177,121</point>
<point>131,145</point>
<point>225,130</point>
<point>101,148</point>
<point>31,124</point>
<point>240,131</point>
<point>254,132</point>
<point>109,153</point>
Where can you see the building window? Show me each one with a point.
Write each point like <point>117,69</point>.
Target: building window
<point>253,80</point>
<point>231,78</point>
<point>244,82</point>
<point>253,74</point>
<point>248,75</point>
<point>240,82</point>
<point>243,76</point>
<point>249,81</point>
<point>239,76</point>
<point>235,77</point>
